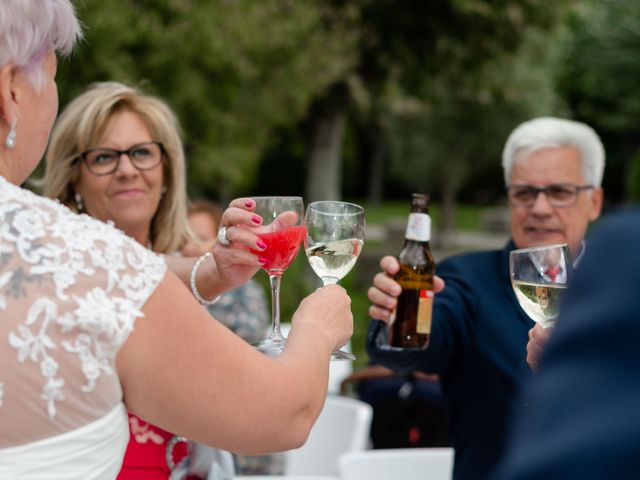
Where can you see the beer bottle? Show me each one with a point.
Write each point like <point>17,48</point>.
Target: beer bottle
<point>411,323</point>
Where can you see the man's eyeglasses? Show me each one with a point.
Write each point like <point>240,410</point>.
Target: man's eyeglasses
<point>559,195</point>
<point>105,161</point>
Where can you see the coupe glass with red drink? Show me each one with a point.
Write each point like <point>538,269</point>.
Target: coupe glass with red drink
<point>282,231</point>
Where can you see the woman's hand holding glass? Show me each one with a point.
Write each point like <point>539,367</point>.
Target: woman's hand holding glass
<point>235,263</point>
<point>251,242</point>
<point>328,312</point>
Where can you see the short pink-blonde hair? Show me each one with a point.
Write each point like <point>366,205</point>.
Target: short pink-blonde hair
<point>30,29</point>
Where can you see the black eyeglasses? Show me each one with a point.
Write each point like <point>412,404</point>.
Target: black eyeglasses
<point>105,161</point>
<point>559,195</point>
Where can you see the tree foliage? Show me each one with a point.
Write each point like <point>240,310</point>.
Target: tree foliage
<point>442,83</point>
<point>458,128</point>
<point>599,79</point>
<point>232,70</point>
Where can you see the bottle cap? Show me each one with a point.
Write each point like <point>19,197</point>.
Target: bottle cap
<point>420,202</point>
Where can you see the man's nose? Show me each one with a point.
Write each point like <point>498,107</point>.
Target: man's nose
<point>541,205</point>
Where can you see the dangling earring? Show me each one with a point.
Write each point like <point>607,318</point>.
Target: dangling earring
<point>10,141</point>
<point>79,204</point>
<point>163,191</point>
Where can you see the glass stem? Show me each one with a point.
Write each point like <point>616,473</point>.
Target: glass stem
<point>274,280</point>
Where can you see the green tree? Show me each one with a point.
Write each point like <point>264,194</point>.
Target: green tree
<point>413,48</point>
<point>233,70</point>
<point>459,127</point>
<point>599,79</point>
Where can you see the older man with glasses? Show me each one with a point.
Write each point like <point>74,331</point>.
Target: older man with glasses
<point>553,170</point>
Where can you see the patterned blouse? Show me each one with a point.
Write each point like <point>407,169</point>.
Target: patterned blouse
<point>244,311</point>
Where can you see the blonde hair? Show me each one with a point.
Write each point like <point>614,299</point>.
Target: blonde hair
<point>84,122</point>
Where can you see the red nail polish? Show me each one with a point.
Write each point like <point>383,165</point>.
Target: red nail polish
<point>261,245</point>
<point>248,204</point>
<point>256,219</point>
<point>262,260</point>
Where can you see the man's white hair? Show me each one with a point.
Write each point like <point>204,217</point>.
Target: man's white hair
<point>549,132</point>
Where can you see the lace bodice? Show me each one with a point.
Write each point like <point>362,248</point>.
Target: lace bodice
<point>71,288</point>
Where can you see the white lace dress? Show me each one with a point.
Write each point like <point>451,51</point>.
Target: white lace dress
<point>71,289</point>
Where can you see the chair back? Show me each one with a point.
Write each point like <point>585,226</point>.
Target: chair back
<point>338,370</point>
<point>396,463</point>
<point>343,426</point>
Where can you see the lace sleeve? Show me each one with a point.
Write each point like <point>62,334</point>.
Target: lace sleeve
<point>71,288</point>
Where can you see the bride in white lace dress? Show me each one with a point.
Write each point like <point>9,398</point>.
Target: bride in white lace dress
<point>90,321</point>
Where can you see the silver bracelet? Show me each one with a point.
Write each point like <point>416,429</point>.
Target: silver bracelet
<point>194,288</point>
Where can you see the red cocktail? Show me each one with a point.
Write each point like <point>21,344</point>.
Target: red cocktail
<point>282,231</point>
<point>282,248</point>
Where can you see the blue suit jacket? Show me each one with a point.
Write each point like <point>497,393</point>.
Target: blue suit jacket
<point>478,347</point>
<point>583,419</point>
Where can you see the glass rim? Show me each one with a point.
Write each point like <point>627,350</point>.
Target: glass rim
<point>539,247</point>
<point>358,208</point>
<point>263,197</point>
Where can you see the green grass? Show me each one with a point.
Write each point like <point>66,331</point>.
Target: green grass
<point>467,216</point>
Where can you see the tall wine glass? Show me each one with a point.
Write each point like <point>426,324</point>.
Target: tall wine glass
<point>282,231</point>
<point>539,276</point>
<point>335,237</point>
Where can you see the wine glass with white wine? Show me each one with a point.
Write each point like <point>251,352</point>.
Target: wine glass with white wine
<point>539,276</point>
<point>335,237</point>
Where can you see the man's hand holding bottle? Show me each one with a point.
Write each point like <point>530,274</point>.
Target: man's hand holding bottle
<point>384,292</point>
<point>406,303</point>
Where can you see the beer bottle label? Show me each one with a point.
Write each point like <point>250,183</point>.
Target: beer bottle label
<point>425,305</point>
<point>419,227</point>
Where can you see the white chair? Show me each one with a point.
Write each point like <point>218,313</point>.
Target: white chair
<point>343,426</point>
<point>338,370</point>
<point>397,463</point>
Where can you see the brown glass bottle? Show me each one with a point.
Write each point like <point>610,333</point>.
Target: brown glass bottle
<point>411,326</point>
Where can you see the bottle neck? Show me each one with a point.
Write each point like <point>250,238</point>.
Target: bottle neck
<point>418,227</point>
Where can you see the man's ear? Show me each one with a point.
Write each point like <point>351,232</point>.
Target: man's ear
<point>596,203</point>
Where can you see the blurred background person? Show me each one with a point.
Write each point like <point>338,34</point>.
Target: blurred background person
<point>92,322</point>
<point>243,309</point>
<point>203,217</point>
<point>553,170</point>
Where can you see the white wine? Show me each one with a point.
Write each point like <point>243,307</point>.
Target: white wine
<point>333,260</point>
<point>540,301</point>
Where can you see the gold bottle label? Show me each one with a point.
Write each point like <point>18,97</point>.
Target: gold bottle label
<point>425,305</point>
